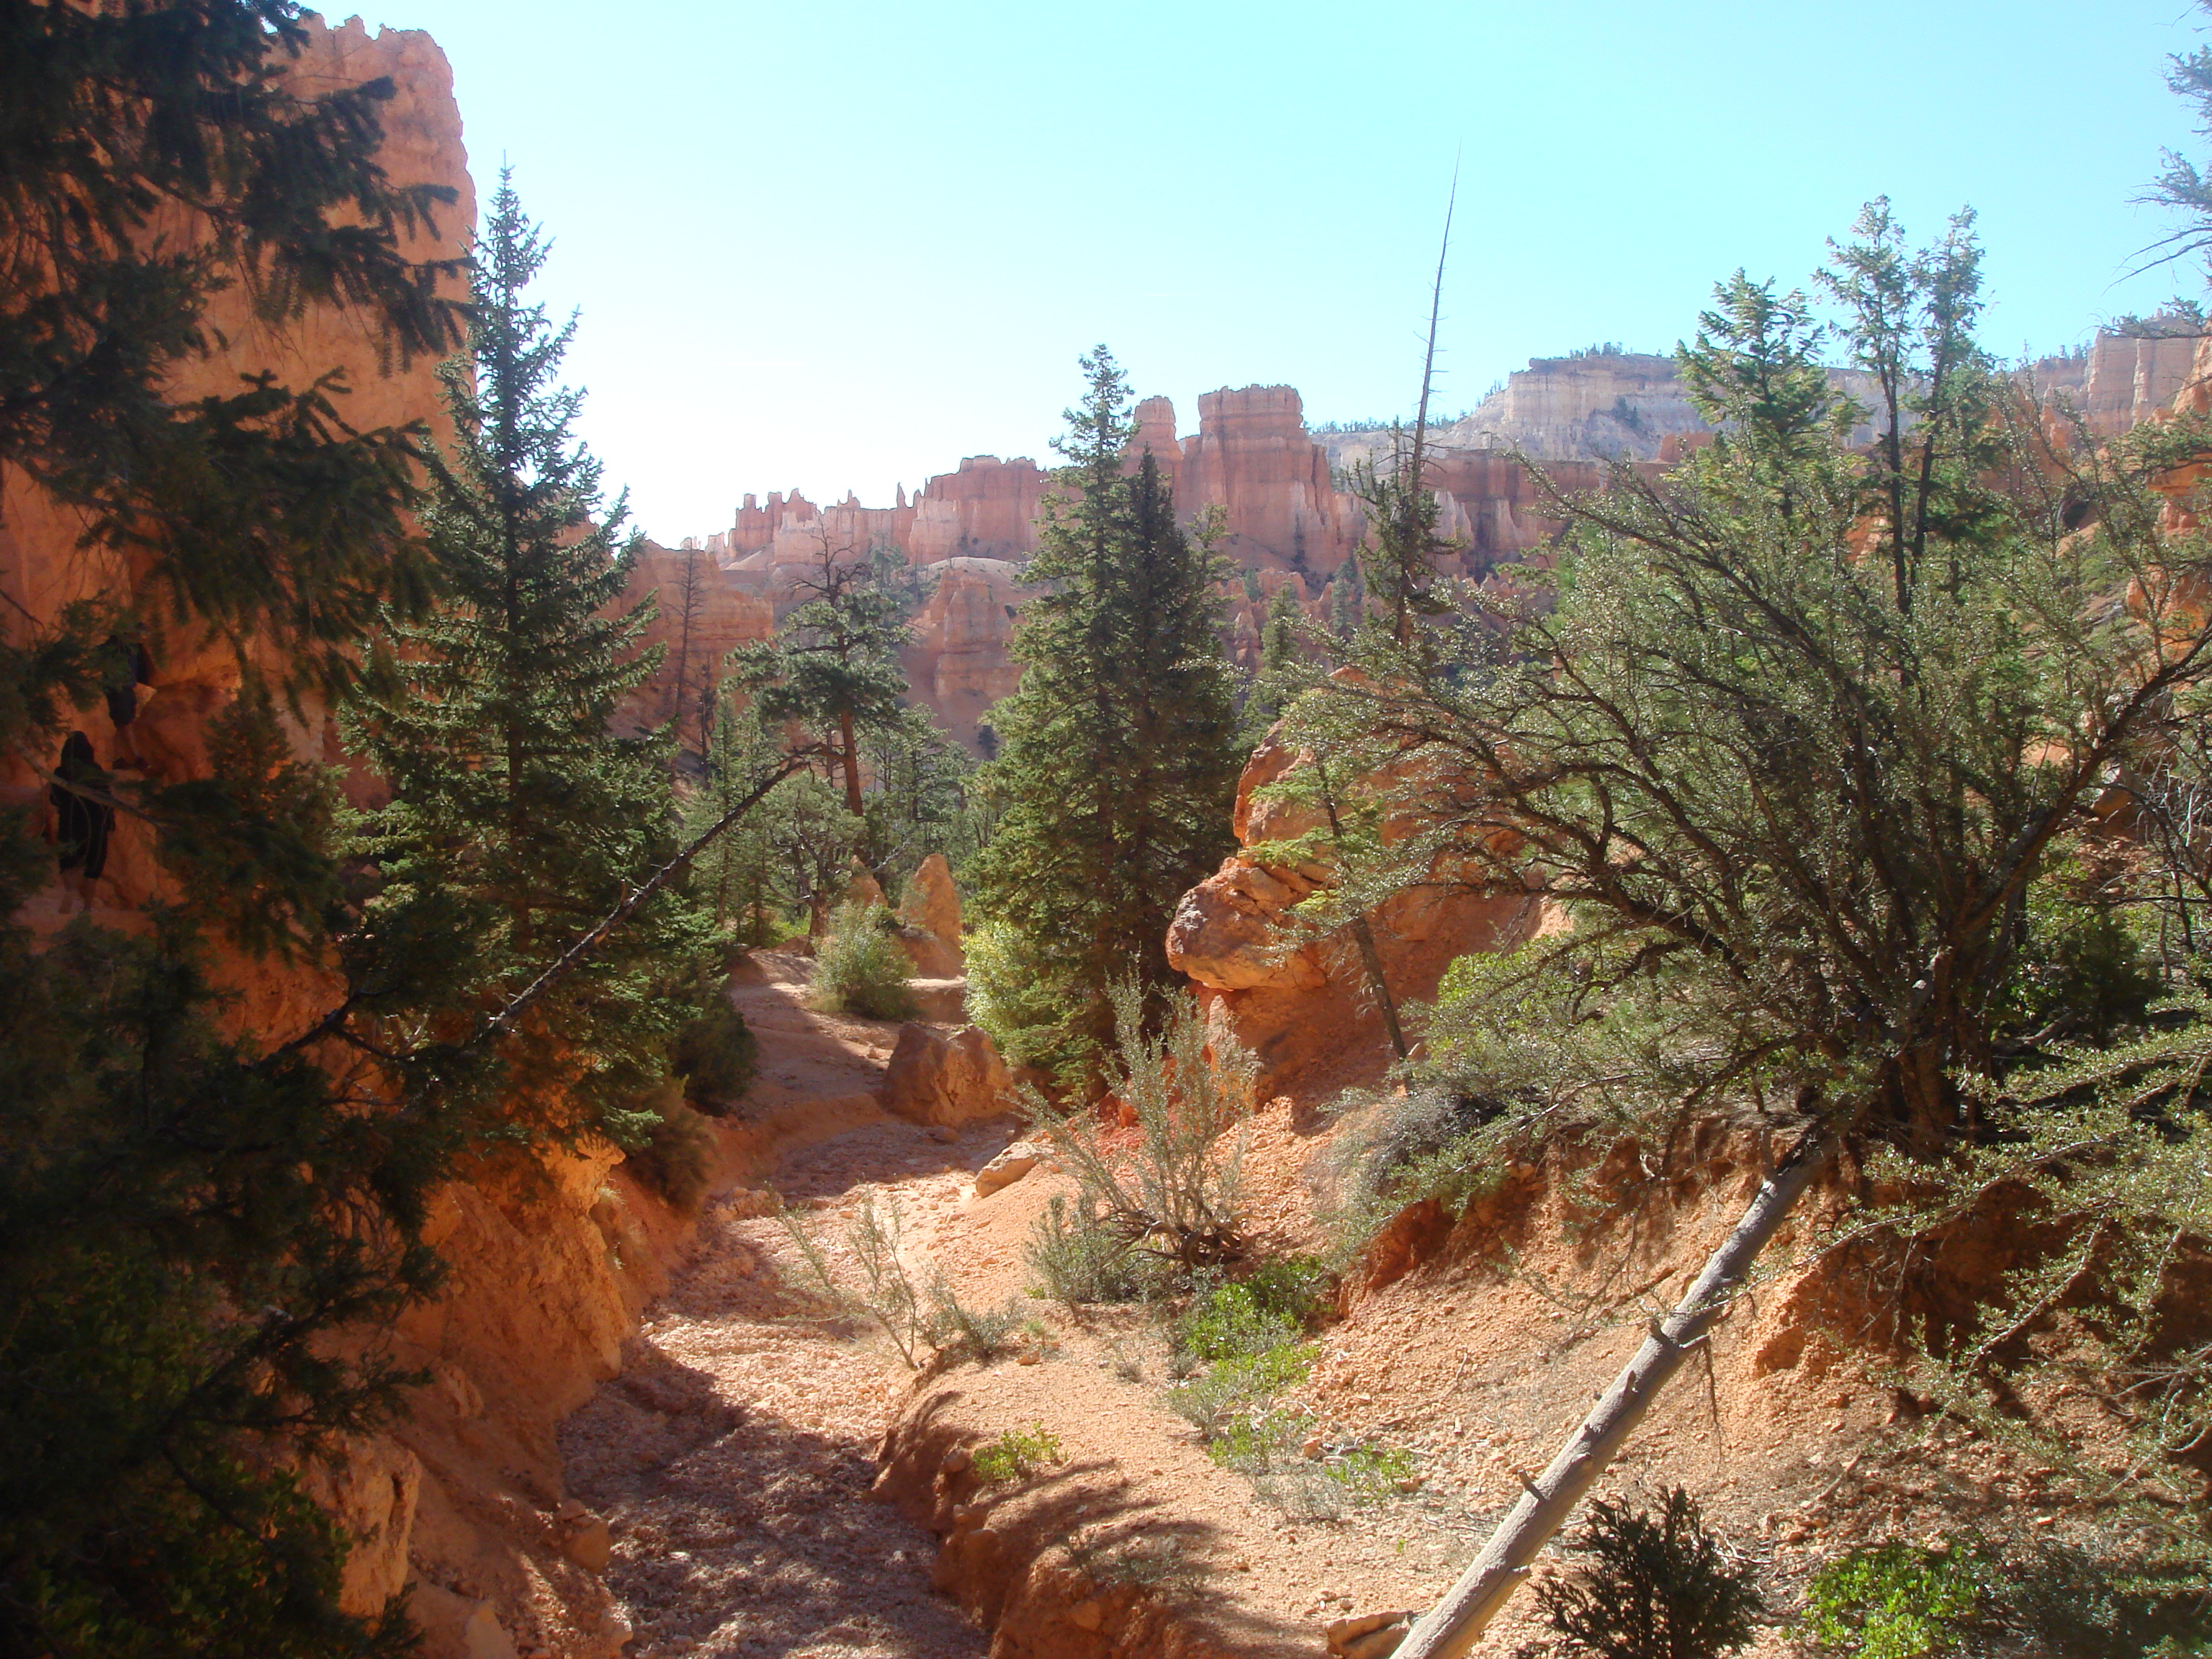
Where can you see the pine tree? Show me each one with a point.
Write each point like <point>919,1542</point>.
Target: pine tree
<point>188,1225</point>
<point>117,121</point>
<point>834,664</point>
<point>511,797</point>
<point>1118,761</point>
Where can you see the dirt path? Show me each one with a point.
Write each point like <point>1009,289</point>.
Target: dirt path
<point>733,1457</point>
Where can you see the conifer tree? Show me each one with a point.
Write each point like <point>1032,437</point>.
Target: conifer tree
<point>1118,760</point>
<point>511,796</point>
<point>834,664</point>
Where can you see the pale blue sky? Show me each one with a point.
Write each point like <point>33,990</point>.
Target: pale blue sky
<point>839,245</point>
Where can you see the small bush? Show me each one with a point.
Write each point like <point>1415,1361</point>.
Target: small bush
<point>1655,1587</point>
<point>861,969</point>
<point>677,1159</point>
<point>1077,1261</point>
<point>961,1332</point>
<point>2105,1598</point>
<point>885,1291</point>
<point>716,1056</point>
<point>1016,1453</point>
<point>1023,1002</point>
<point>1268,1308</point>
<point>1175,1194</point>
<point>1897,1601</point>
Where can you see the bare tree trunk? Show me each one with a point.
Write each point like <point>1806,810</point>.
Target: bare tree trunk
<point>851,752</point>
<point>1455,1625</point>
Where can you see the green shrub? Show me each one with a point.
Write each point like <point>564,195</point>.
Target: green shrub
<point>1077,1261</point>
<point>1268,1310</point>
<point>861,969</point>
<point>1897,1601</point>
<point>1175,1193</point>
<point>963,1333</point>
<point>2106,1599</point>
<point>1015,1453</point>
<point>1013,995</point>
<point>1653,1587</point>
<point>716,1056</point>
<point>677,1159</point>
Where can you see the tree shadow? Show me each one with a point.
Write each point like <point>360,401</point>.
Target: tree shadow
<point>739,1533</point>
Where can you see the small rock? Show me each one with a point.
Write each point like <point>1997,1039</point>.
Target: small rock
<point>943,1134</point>
<point>1086,1615</point>
<point>1311,1449</point>
<point>591,1546</point>
<point>1028,1356</point>
<point>1009,1166</point>
<point>570,1512</point>
<point>1410,1483</point>
<point>958,1460</point>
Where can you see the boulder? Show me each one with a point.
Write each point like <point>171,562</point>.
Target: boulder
<point>945,1077</point>
<point>1229,933</point>
<point>1011,1165</point>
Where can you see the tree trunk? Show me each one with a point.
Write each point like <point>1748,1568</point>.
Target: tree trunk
<point>853,803</point>
<point>1455,1625</point>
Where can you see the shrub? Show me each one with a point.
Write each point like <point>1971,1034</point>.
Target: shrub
<point>977,1333</point>
<point>677,1159</point>
<point>1015,1453</point>
<point>860,969</point>
<point>885,1292</point>
<point>1077,1261</point>
<point>716,1056</point>
<point>1175,1193</point>
<point>1656,1586</point>
<point>1014,995</point>
<point>1268,1310</point>
<point>1897,1601</point>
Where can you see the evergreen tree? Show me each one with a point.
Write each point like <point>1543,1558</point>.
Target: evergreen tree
<point>116,120</point>
<point>834,664</point>
<point>511,797</point>
<point>1118,761</point>
<point>189,1226</point>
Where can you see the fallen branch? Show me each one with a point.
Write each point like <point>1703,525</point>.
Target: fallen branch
<point>1451,1628</point>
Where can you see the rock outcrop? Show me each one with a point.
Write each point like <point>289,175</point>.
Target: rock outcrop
<point>1304,1004</point>
<point>947,1077</point>
<point>929,921</point>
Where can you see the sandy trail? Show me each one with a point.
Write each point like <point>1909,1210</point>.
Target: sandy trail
<point>733,1457</point>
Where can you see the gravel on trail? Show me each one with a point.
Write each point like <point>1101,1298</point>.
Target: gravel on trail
<point>733,1456</point>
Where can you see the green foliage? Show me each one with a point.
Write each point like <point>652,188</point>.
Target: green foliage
<point>1268,1310</point>
<point>1752,756</point>
<point>861,969</point>
<point>260,511</point>
<point>1175,1192</point>
<point>1012,996</point>
<point>1016,1453</point>
<point>833,665</point>
<point>1653,1587</point>
<point>1117,761</point>
<point>249,846</point>
<point>960,1331</point>
<point>171,1284</point>
<point>1077,1259</point>
<point>716,1056</point>
<point>1897,1601</point>
<point>517,819</point>
<point>678,1158</point>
